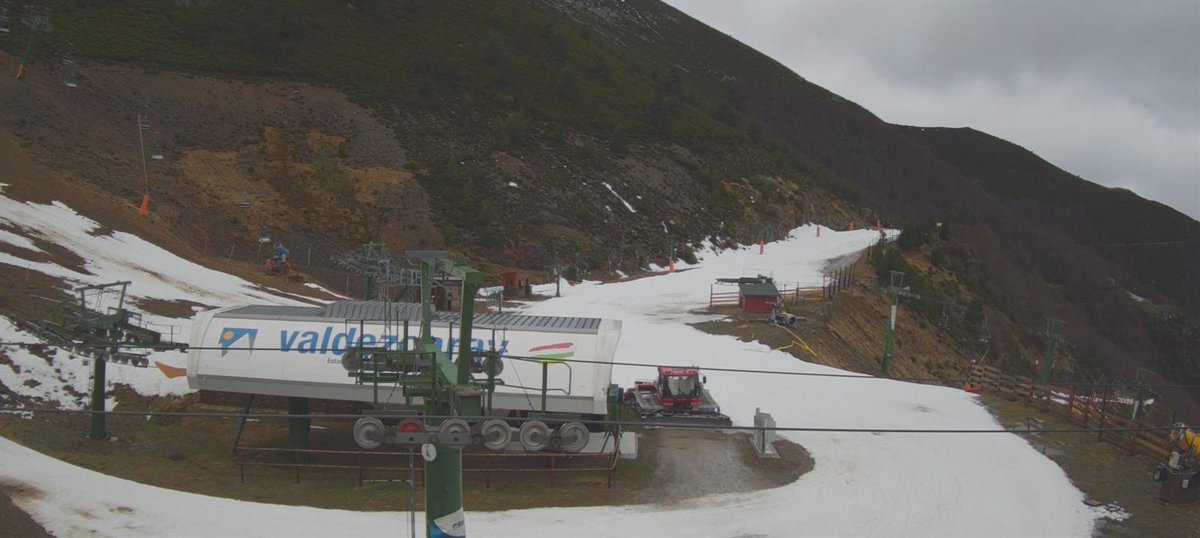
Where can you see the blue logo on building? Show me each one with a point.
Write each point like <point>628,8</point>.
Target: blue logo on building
<point>232,335</point>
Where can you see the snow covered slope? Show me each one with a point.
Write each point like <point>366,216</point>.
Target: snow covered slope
<point>109,256</point>
<point>863,484</point>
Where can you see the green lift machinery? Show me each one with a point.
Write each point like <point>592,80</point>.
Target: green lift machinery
<point>434,386</point>
<point>105,335</point>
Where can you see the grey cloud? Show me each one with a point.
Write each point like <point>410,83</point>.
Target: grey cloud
<point>1109,91</point>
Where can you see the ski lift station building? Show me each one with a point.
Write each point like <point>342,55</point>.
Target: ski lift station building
<point>297,351</point>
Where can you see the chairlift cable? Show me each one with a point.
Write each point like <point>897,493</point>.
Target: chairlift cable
<point>597,422</point>
<point>527,358</point>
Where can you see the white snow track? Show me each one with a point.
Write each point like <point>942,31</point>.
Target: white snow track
<point>862,485</point>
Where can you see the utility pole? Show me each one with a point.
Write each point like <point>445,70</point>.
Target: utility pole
<point>1053,334</point>
<point>556,272</point>
<point>37,21</point>
<point>670,255</point>
<point>895,289</point>
<point>143,126</point>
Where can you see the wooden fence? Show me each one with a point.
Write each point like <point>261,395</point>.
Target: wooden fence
<point>1086,408</point>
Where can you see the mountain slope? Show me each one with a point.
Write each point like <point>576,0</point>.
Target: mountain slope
<point>1159,244</point>
<point>528,134</point>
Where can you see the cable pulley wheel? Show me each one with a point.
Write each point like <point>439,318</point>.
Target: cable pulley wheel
<point>534,435</point>
<point>352,361</point>
<point>495,434</point>
<point>455,426</point>
<point>369,432</point>
<point>499,367</point>
<point>573,436</point>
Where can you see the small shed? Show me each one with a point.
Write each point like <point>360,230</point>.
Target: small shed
<point>517,283</point>
<point>758,296</point>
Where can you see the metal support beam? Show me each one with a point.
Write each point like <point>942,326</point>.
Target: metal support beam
<point>98,426</point>
<point>1053,334</point>
<point>298,427</point>
<point>895,287</point>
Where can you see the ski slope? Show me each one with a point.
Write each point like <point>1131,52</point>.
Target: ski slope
<point>863,484</point>
<point>111,256</point>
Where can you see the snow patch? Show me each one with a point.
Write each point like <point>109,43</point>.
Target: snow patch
<point>63,380</point>
<point>614,193</point>
<point>18,241</point>
<point>1111,511</point>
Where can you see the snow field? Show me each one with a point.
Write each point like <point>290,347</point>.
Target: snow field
<point>155,272</point>
<point>863,484</point>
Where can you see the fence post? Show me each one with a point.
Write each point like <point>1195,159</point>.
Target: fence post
<point>1087,407</point>
<point>1132,438</point>
<point>1103,411</point>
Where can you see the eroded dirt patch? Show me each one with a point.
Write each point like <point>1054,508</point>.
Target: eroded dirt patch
<point>177,309</point>
<point>15,521</point>
<point>693,463</point>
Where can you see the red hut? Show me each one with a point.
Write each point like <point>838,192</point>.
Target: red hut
<point>757,297</point>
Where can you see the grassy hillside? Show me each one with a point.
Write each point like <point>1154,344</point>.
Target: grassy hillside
<point>494,109</point>
<point>511,132</point>
<point>1160,245</point>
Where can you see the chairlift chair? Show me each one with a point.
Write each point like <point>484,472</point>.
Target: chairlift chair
<point>155,148</point>
<point>68,62</point>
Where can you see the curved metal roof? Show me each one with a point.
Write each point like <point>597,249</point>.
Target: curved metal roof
<point>377,311</point>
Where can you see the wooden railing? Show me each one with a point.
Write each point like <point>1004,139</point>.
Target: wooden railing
<point>1087,408</point>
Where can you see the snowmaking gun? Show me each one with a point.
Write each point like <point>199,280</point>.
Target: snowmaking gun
<point>278,264</point>
<point>676,396</point>
<point>1180,474</point>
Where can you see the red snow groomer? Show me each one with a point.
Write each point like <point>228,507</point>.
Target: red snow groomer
<point>676,396</point>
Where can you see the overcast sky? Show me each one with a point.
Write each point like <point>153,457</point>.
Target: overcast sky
<point>1105,90</point>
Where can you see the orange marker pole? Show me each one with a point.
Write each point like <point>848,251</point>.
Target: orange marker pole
<point>144,210</point>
